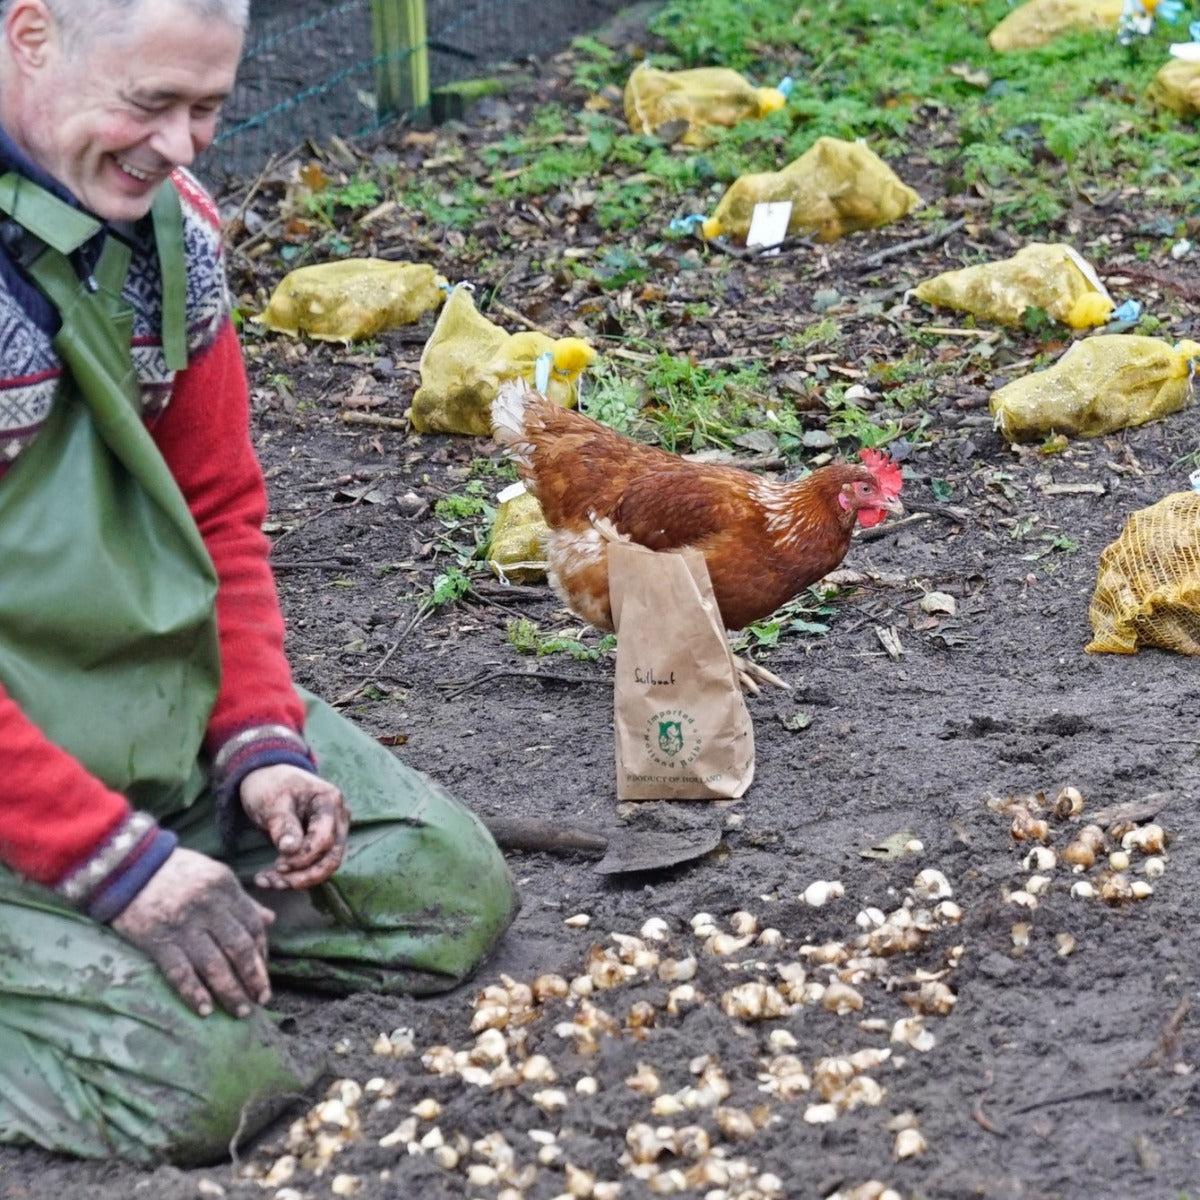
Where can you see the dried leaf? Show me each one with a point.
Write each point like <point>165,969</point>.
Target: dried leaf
<point>312,175</point>
<point>889,639</point>
<point>895,845</point>
<point>972,75</point>
<point>938,602</point>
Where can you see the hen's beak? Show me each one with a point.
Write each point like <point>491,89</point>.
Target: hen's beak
<point>894,507</point>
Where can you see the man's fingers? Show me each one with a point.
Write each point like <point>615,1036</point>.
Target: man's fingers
<point>219,974</point>
<point>245,953</point>
<point>285,831</point>
<point>177,968</point>
<point>293,874</point>
<point>206,935</point>
<point>321,832</point>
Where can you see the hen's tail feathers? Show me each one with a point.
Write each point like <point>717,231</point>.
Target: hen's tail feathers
<point>508,423</point>
<point>508,411</point>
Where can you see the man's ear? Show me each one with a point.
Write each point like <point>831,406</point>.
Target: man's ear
<point>30,32</point>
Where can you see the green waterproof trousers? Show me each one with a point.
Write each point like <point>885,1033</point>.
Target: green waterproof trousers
<point>99,1057</point>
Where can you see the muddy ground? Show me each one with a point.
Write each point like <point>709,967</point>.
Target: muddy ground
<point>1065,1067</point>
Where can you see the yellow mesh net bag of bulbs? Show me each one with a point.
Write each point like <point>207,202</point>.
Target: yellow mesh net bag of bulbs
<point>1176,87</point>
<point>468,357</point>
<point>1148,587</point>
<point>835,187</point>
<point>689,103</point>
<point>351,299</point>
<point>1038,22</point>
<point>1105,382</point>
<point>1051,276</point>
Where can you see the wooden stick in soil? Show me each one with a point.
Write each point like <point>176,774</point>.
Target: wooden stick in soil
<point>352,417</point>
<point>921,243</point>
<point>518,317</point>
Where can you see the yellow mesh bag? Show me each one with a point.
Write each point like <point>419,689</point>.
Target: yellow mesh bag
<point>467,358</point>
<point>835,188</point>
<point>1106,382</point>
<point>1176,87</point>
<point>1045,275</point>
<point>517,552</point>
<point>698,98</point>
<point>1041,21</point>
<point>352,298</point>
<point>1148,587</point>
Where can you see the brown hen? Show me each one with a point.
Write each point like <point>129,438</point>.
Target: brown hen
<point>764,542</point>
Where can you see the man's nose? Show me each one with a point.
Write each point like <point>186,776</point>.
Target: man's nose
<point>176,137</point>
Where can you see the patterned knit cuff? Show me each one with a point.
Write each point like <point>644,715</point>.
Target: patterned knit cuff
<point>260,746</point>
<point>118,870</point>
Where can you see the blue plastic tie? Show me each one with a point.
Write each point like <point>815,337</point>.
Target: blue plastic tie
<point>686,225</point>
<point>1130,310</point>
<point>541,370</point>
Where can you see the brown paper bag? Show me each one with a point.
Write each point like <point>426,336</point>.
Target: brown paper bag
<point>682,728</point>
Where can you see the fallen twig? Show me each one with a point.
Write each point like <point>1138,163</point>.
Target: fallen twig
<point>882,531</point>
<point>453,688</point>
<point>252,191</point>
<point>757,252</point>
<point>948,512</point>
<point>314,564</point>
<point>1181,287</point>
<point>513,315</point>
<point>902,248</point>
<point>1143,809</point>
<point>352,417</point>
<point>1070,1098</point>
<point>345,698</point>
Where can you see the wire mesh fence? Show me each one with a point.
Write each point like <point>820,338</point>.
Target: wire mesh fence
<point>311,67</point>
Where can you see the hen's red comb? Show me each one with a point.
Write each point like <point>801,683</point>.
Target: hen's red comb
<point>886,472</point>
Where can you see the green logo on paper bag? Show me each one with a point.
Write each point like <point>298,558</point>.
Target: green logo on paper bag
<point>672,739</point>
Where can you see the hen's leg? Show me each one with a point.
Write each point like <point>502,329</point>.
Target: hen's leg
<point>750,674</point>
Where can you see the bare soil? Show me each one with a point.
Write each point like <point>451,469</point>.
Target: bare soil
<point>1066,1067</point>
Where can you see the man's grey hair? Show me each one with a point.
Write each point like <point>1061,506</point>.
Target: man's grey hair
<point>82,23</point>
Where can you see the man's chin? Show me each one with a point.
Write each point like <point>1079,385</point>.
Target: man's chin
<point>117,196</point>
<point>110,207</point>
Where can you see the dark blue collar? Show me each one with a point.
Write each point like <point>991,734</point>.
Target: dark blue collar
<point>13,158</point>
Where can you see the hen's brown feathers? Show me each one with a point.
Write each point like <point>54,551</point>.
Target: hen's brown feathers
<point>764,542</point>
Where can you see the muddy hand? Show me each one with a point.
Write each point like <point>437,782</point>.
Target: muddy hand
<point>306,819</point>
<point>207,936</point>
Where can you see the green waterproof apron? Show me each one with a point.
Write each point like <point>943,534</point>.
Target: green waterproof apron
<point>107,623</point>
<point>108,641</point>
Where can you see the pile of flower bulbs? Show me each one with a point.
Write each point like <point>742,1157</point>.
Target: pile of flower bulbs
<point>541,1044</point>
<point>1116,864</point>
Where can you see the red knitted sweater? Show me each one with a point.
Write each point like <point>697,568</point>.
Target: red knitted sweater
<point>55,813</point>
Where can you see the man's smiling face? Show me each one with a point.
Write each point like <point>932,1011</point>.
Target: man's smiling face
<point>113,119</point>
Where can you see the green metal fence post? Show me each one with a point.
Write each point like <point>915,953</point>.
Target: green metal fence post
<point>402,76</point>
